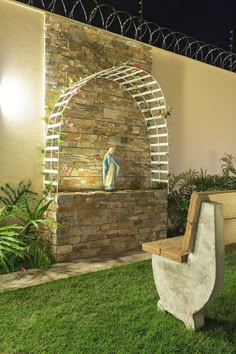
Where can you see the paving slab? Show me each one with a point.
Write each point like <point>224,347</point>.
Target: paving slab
<point>32,277</point>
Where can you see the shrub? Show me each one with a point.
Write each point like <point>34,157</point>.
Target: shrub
<point>24,218</point>
<point>181,187</point>
<point>11,246</point>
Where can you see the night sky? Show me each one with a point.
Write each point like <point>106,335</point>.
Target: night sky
<point>206,20</point>
<point>209,21</point>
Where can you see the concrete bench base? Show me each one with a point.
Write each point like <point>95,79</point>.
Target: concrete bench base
<point>185,289</point>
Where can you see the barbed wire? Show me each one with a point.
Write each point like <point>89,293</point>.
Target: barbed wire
<point>105,16</point>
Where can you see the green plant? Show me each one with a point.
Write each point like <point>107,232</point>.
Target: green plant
<point>30,224</point>
<point>181,187</point>
<point>227,167</point>
<point>13,196</point>
<point>167,113</point>
<point>11,246</point>
<point>31,214</point>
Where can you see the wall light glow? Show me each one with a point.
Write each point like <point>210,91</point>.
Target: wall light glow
<point>1,95</point>
<point>12,98</point>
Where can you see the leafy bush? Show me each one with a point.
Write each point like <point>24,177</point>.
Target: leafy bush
<point>22,226</point>
<point>181,187</point>
<point>13,196</point>
<point>10,244</point>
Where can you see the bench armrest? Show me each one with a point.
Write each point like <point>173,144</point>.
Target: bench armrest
<point>170,248</point>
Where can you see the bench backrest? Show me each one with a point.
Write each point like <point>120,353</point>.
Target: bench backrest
<point>228,199</point>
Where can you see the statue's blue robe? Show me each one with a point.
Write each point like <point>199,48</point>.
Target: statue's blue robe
<point>106,164</point>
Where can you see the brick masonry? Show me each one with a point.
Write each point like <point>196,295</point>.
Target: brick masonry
<point>96,223</point>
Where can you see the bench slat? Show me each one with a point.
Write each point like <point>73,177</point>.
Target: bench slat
<point>231,246</point>
<point>166,247</point>
<point>230,231</point>
<point>192,219</point>
<point>228,198</point>
<point>175,253</point>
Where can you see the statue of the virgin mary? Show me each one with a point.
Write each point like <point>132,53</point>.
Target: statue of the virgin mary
<point>110,170</point>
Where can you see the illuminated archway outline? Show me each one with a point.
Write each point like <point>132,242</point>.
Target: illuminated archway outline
<point>148,95</point>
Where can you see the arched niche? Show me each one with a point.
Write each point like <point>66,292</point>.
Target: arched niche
<point>143,167</point>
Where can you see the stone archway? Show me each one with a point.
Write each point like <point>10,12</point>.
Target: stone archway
<point>149,98</point>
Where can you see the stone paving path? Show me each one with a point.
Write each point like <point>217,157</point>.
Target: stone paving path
<point>33,277</point>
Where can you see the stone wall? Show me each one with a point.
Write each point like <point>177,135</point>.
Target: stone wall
<point>96,223</point>
<point>101,115</point>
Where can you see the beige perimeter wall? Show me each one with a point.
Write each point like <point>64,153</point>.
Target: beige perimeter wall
<point>22,81</point>
<point>203,124</point>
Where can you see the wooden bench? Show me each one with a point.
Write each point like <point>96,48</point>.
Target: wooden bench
<point>189,270</point>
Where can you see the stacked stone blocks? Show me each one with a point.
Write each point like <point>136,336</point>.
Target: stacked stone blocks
<point>102,114</point>
<point>97,223</point>
<point>94,222</point>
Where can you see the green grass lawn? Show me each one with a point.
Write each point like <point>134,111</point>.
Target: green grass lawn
<point>112,311</point>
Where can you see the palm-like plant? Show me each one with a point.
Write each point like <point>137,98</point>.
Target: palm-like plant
<point>30,223</point>
<point>181,187</point>
<point>31,215</point>
<point>11,246</point>
<point>227,166</point>
<point>13,196</point>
